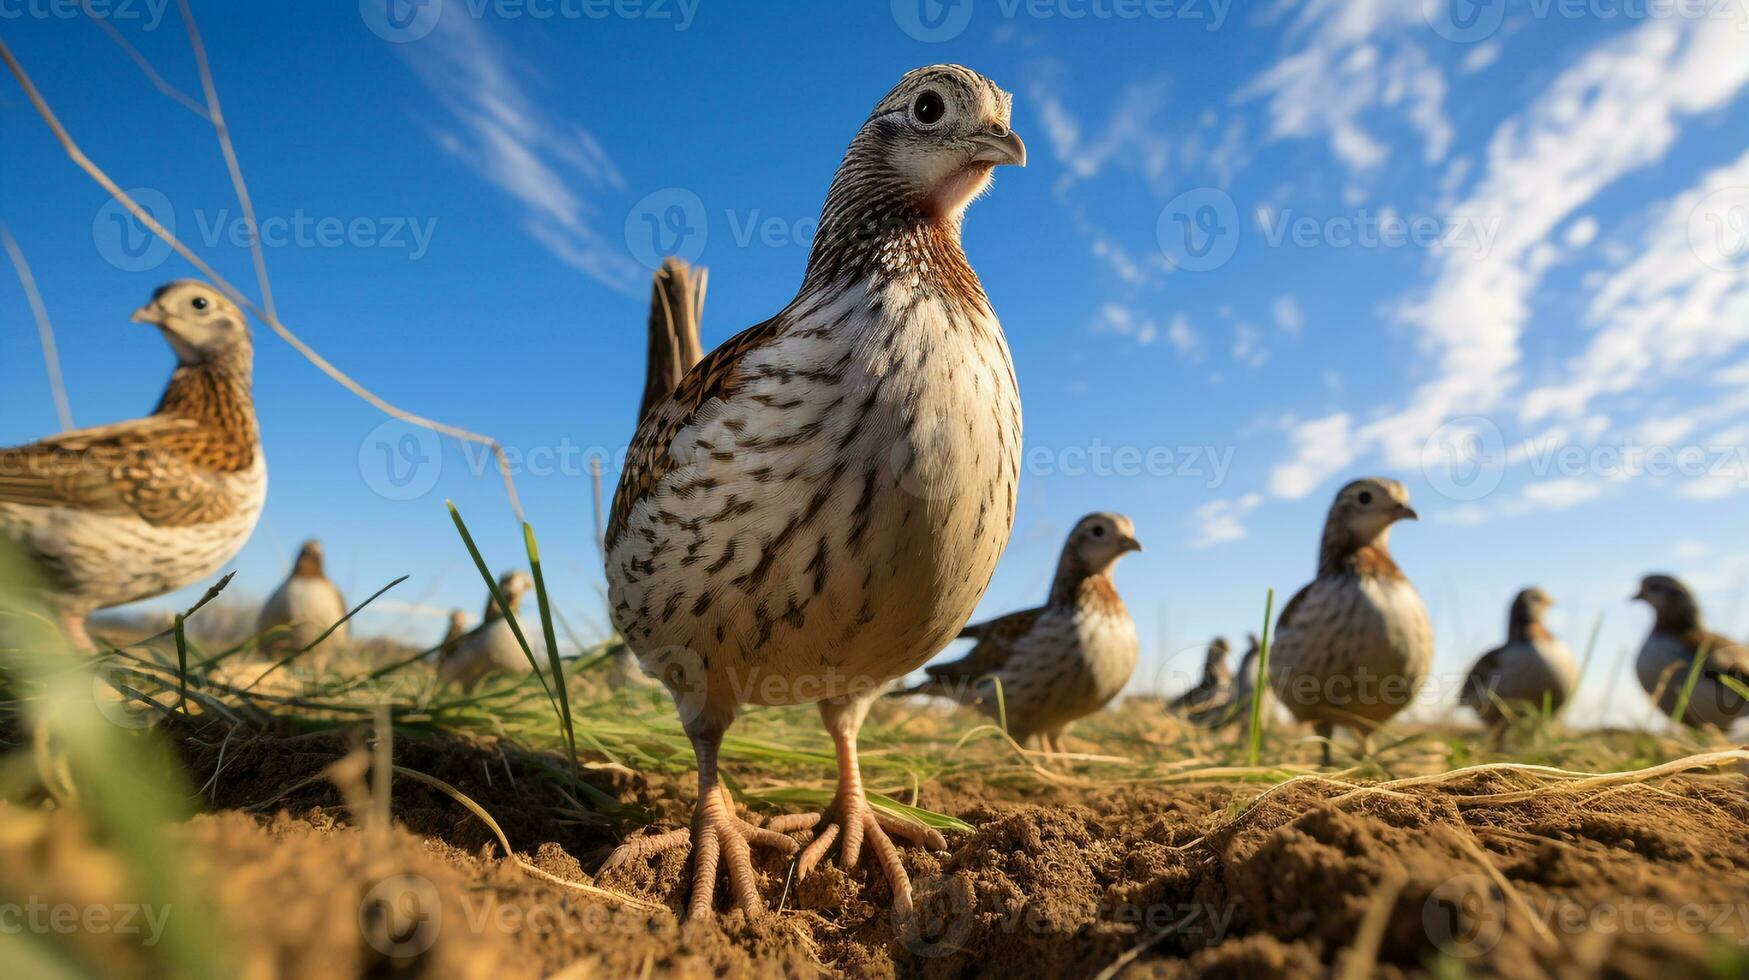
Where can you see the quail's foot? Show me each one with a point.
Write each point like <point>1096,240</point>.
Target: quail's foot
<point>717,837</point>
<point>851,823</point>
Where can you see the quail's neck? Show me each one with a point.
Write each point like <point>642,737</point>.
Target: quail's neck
<point>1079,584</point>
<point>216,396</point>
<point>870,229</point>
<point>1341,554</point>
<point>1677,622</point>
<point>308,566</point>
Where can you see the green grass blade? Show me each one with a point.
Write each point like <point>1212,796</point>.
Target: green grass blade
<point>295,654</point>
<point>546,622</point>
<point>1256,742</point>
<point>498,597</point>
<point>182,664</point>
<point>1700,655</point>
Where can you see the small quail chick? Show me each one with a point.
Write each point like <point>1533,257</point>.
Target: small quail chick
<point>1061,661</point>
<point>1213,689</point>
<point>304,606</point>
<point>1532,668</point>
<point>490,647</point>
<point>1353,647</point>
<point>131,511</point>
<point>1667,656</point>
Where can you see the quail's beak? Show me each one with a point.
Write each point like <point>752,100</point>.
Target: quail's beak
<point>1407,513</point>
<point>150,313</point>
<point>1639,596</point>
<point>1127,543</point>
<point>998,145</point>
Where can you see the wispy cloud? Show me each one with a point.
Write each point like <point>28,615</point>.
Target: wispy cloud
<point>549,166</point>
<point>1221,521</point>
<point>1617,110</point>
<point>1349,63</point>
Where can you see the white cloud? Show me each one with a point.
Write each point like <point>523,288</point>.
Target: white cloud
<point>1117,319</point>
<point>1221,521</point>
<point>1321,448</point>
<point>1248,348</point>
<point>1482,55</point>
<point>1616,110</point>
<point>1660,314</point>
<point>1288,316</point>
<point>1561,493</point>
<point>1351,60</point>
<point>496,128</point>
<point>1581,233</point>
<point>1183,339</point>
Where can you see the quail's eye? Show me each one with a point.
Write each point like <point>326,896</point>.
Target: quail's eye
<point>1365,497</point>
<point>928,109</point>
<point>199,303</point>
<point>1098,530</point>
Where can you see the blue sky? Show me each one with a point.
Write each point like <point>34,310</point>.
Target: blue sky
<point>1496,250</point>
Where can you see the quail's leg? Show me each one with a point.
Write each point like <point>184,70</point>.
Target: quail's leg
<point>73,626</point>
<point>717,836</point>
<point>850,821</point>
<point>1325,731</point>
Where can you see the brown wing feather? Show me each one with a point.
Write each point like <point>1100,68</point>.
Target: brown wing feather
<point>649,458</point>
<point>996,641</point>
<point>1475,689</point>
<point>1724,655</point>
<point>142,467</point>
<point>1293,606</point>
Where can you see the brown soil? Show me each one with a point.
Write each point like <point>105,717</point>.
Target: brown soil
<point>1646,879</point>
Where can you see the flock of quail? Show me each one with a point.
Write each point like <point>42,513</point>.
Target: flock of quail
<point>812,511</point>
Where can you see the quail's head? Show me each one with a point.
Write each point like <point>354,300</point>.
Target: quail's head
<point>309,561</point>
<point>1533,602</point>
<point>1669,598</point>
<point>937,136</point>
<point>1366,508</point>
<point>1100,539</point>
<point>200,324</point>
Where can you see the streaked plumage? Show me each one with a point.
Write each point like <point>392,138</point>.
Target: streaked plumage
<point>819,504</point>
<point>1059,662</point>
<point>304,606</point>
<point>1678,635</point>
<point>1236,709</point>
<point>1353,647</point>
<point>130,511</point>
<point>1531,669</point>
<point>1213,689</point>
<point>491,647</point>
